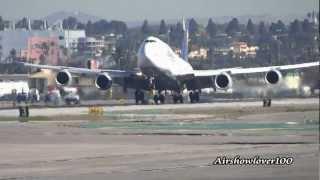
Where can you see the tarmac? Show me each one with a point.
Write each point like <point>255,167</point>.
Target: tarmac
<point>162,141</point>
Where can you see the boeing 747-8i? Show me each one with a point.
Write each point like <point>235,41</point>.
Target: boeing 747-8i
<point>161,69</point>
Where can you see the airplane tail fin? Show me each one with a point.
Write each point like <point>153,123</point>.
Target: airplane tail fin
<point>185,41</point>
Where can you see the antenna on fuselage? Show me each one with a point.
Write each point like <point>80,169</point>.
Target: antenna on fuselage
<point>185,40</point>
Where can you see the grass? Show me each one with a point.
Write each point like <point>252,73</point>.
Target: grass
<point>231,112</point>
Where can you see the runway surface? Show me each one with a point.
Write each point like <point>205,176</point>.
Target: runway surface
<point>84,110</point>
<point>162,142</point>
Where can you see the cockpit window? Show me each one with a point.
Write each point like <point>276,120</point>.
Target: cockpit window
<point>148,41</point>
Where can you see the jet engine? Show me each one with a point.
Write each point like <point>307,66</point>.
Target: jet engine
<point>103,81</point>
<point>223,81</point>
<point>64,78</point>
<point>273,77</point>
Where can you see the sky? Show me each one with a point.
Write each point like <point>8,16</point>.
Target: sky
<point>131,10</point>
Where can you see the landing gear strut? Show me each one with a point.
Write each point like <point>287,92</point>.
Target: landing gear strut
<point>160,98</point>
<point>266,102</point>
<point>139,96</point>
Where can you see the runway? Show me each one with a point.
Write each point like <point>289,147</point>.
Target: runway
<point>112,108</point>
<point>162,142</point>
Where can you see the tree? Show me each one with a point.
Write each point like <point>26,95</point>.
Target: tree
<point>281,26</point>
<point>89,28</point>
<point>306,26</point>
<point>70,23</point>
<point>163,27</point>
<point>278,28</point>
<point>145,29</point>
<point>80,26</point>
<point>37,24</point>
<point>262,29</point>
<point>233,27</point>
<point>176,34</point>
<point>309,15</point>
<point>1,24</point>
<point>250,27</point>
<point>0,52</point>
<point>193,26</point>
<point>13,54</point>
<point>23,23</point>
<point>101,27</point>
<point>211,28</point>
<point>118,27</point>
<point>295,27</point>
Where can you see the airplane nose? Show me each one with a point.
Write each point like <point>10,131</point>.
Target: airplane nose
<point>142,49</point>
<point>141,54</point>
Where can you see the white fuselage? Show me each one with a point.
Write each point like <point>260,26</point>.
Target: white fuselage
<point>155,56</point>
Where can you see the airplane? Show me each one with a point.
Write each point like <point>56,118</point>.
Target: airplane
<point>161,69</point>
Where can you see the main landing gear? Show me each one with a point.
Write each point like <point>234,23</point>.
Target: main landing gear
<point>177,98</point>
<point>194,96</point>
<point>139,97</point>
<point>266,102</point>
<point>159,98</point>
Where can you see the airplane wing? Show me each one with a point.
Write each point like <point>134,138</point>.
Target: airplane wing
<point>75,70</point>
<point>239,70</point>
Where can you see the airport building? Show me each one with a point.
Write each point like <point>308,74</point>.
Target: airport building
<point>19,39</point>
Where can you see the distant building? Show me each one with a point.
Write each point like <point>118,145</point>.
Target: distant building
<point>71,38</point>
<point>41,47</point>
<point>18,39</point>
<point>221,51</point>
<point>91,46</point>
<point>242,50</point>
<point>201,53</point>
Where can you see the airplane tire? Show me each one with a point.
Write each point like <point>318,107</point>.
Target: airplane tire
<point>197,97</point>
<point>162,99</point>
<point>191,96</point>
<point>21,112</point>
<point>175,99</point>
<point>139,96</point>
<point>181,99</point>
<point>156,99</point>
<point>27,111</point>
<point>269,102</point>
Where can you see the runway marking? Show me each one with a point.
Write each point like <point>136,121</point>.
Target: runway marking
<point>185,126</point>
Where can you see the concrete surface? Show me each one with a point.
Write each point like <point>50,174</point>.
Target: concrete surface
<point>162,142</point>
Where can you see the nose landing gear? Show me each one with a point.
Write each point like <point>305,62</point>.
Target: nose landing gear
<point>266,102</point>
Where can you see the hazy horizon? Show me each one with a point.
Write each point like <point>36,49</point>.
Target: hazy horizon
<point>133,10</point>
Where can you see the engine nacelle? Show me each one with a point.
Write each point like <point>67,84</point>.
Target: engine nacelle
<point>273,77</point>
<point>64,78</point>
<point>223,81</point>
<point>103,81</point>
